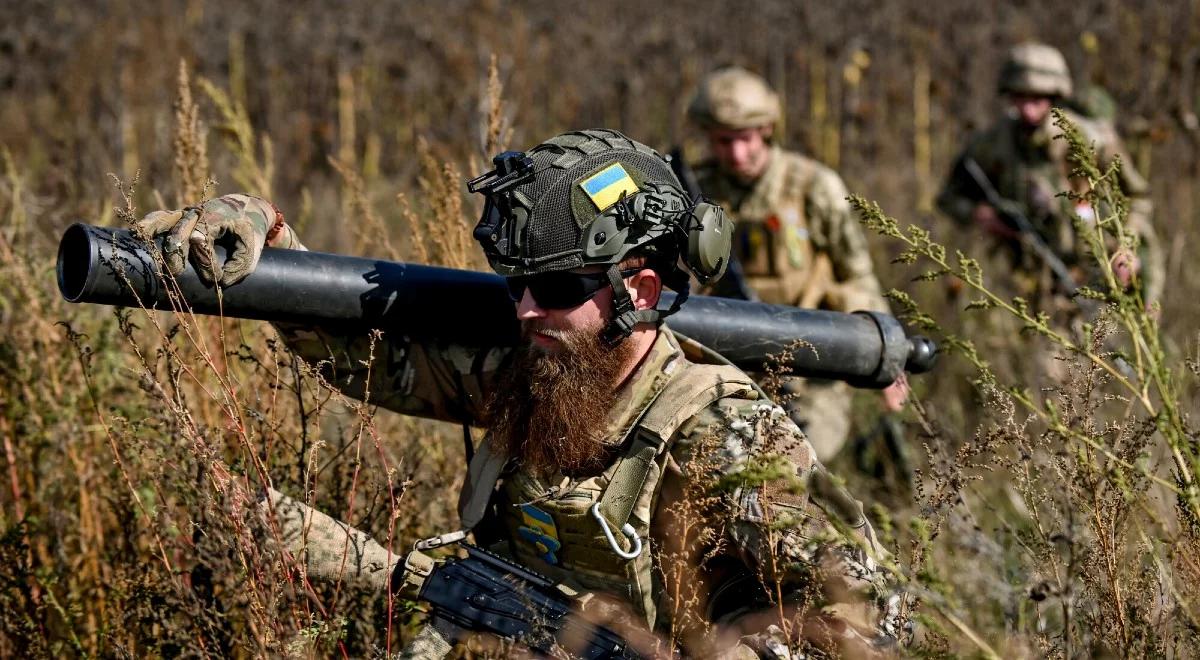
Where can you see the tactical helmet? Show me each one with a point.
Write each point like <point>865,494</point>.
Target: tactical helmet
<point>591,198</point>
<point>733,97</point>
<point>1035,69</point>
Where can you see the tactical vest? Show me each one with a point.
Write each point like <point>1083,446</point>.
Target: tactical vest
<point>559,536</point>
<point>772,233</point>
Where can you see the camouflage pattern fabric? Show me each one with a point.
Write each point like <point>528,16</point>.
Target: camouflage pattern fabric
<point>733,97</point>
<point>800,244</point>
<point>788,218</point>
<point>821,408</point>
<point>450,383</point>
<point>242,223</point>
<point>434,641</point>
<point>328,549</point>
<point>1030,168</point>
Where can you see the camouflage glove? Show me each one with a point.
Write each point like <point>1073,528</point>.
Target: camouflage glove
<point>328,549</point>
<point>240,223</point>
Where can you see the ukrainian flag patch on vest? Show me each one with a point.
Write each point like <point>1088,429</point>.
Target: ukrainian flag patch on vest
<point>540,531</point>
<point>605,187</point>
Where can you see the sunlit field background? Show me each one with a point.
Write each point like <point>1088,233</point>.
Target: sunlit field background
<point>119,532</point>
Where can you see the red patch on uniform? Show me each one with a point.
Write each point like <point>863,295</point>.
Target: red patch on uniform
<point>773,223</point>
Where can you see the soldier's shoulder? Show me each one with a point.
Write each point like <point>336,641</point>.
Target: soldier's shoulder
<point>796,161</point>
<point>816,178</point>
<point>727,433</point>
<point>1101,132</point>
<point>828,184</point>
<point>1076,117</point>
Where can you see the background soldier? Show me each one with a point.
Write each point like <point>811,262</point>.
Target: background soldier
<point>1028,166</point>
<point>795,236</point>
<point>597,419</point>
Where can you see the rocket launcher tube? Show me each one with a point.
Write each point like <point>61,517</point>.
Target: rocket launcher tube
<point>110,266</point>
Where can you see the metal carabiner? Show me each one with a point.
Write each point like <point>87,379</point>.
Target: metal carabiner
<point>439,541</point>
<point>626,529</point>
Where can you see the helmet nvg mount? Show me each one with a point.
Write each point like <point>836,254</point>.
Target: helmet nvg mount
<point>593,198</point>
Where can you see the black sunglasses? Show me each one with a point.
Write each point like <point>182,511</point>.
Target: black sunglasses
<point>561,289</point>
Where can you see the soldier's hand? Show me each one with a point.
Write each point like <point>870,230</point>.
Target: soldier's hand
<point>240,223</point>
<point>896,394</point>
<point>986,218</point>
<point>1125,266</point>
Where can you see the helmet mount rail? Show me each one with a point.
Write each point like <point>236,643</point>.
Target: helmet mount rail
<point>592,199</point>
<point>512,168</point>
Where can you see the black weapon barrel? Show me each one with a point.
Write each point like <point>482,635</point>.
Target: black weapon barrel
<point>111,266</point>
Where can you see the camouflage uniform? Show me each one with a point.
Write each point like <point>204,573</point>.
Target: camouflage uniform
<point>611,198</point>
<point>451,383</point>
<point>795,237</point>
<point>1029,166</point>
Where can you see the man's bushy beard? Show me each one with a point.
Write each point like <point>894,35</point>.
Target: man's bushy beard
<point>550,410</point>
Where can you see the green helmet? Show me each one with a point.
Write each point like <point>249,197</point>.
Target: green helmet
<point>733,97</point>
<point>593,198</point>
<point>1035,69</point>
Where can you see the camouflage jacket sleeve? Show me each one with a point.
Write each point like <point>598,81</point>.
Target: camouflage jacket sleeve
<point>327,549</point>
<point>780,519</point>
<point>434,380</point>
<point>438,381</point>
<point>837,233</point>
<point>1110,147</point>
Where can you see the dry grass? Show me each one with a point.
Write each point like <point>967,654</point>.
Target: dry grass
<point>1052,518</point>
<point>1097,465</point>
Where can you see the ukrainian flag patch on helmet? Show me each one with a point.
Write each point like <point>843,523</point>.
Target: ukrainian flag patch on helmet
<point>605,187</point>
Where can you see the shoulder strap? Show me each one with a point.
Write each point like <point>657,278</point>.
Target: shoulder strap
<point>694,388</point>
<point>483,473</point>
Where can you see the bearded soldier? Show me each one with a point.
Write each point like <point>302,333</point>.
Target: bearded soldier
<point>1027,164</point>
<point>795,236</point>
<point>599,428</point>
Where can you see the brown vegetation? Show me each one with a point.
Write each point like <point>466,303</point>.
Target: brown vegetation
<point>1065,524</point>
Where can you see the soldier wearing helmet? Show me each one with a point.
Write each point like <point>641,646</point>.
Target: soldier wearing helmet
<point>600,429</point>
<point>795,236</point>
<point>1028,166</point>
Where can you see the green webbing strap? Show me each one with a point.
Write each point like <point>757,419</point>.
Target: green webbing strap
<point>483,474</point>
<point>616,504</point>
<point>682,398</point>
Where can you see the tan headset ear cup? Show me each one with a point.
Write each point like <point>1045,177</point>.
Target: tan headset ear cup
<point>709,240</point>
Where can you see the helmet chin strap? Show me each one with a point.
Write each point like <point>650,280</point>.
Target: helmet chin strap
<point>625,317</point>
